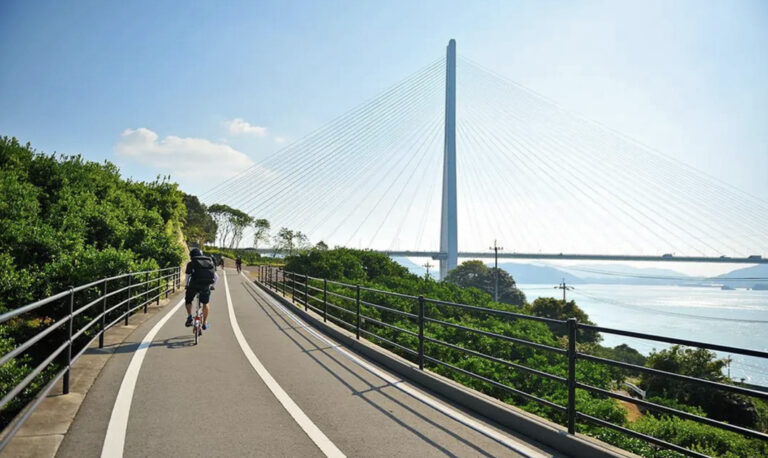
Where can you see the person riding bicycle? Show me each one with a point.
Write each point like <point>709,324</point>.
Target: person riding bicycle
<point>201,276</point>
<point>239,264</point>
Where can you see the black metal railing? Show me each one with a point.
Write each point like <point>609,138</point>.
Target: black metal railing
<point>354,314</point>
<point>76,318</point>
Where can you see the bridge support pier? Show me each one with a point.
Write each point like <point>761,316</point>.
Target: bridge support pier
<point>448,224</point>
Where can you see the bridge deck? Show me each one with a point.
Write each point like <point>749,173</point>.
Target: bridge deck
<point>208,400</point>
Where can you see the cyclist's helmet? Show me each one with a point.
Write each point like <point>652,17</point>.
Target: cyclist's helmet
<point>195,252</point>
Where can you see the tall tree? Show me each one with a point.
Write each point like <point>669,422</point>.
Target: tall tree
<point>222,215</point>
<point>200,226</point>
<point>287,240</point>
<point>260,232</point>
<point>478,275</point>
<point>239,220</point>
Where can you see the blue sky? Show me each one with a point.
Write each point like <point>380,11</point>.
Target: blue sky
<point>201,90</point>
<point>688,78</point>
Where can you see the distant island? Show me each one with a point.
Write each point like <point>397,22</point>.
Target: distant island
<point>754,277</point>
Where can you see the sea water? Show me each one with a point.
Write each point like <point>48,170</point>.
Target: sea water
<point>736,318</point>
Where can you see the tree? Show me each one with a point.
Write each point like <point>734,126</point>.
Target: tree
<point>704,364</point>
<point>239,220</point>
<point>477,275</point>
<point>322,246</point>
<point>549,307</point>
<point>260,231</point>
<point>231,223</point>
<point>200,226</point>
<point>288,240</point>
<point>222,214</point>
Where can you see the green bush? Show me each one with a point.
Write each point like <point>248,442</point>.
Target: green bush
<point>65,221</point>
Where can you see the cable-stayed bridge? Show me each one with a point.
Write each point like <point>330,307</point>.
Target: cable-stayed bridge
<point>455,156</point>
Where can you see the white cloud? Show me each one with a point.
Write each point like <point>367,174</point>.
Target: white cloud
<point>280,139</point>
<point>182,157</point>
<point>240,126</point>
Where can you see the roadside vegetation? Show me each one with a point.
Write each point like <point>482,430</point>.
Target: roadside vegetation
<point>65,221</point>
<point>376,271</point>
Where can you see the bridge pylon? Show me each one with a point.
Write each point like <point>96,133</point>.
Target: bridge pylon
<point>449,250</point>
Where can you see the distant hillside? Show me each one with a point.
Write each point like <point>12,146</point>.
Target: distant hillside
<point>529,273</point>
<point>628,275</point>
<point>417,269</point>
<point>748,277</point>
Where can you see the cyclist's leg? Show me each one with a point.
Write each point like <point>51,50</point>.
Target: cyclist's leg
<point>189,296</point>
<point>205,298</point>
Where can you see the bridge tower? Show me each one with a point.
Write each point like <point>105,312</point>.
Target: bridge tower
<point>449,250</point>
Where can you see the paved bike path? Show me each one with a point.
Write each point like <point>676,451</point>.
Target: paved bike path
<point>208,400</point>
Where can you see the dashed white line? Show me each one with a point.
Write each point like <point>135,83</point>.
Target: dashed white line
<point>314,433</point>
<point>406,388</point>
<point>114,442</point>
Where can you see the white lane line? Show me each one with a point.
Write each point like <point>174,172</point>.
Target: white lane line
<point>403,386</point>
<point>114,441</point>
<point>314,433</point>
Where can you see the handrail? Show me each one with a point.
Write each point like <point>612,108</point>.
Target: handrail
<point>152,287</point>
<point>268,280</point>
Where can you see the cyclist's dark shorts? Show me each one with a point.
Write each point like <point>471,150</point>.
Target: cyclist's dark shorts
<point>192,290</point>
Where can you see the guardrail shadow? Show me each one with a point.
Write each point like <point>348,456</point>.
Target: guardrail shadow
<point>284,325</point>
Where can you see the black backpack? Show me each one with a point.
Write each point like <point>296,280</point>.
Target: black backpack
<point>203,270</point>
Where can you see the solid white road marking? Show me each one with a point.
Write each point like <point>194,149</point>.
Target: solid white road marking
<point>314,433</point>
<point>114,441</point>
<point>510,442</point>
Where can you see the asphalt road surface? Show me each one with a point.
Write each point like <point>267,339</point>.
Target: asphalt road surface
<point>282,389</point>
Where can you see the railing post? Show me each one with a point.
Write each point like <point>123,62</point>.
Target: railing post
<point>128,302</point>
<point>357,328</point>
<point>571,410</point>
<point>325,300</point>
<point>421,332</point>
<point>306,292</point>
<point>65,388</point>
<point>173,280</point>
<point>159,283</point>
<point>146,291</point>
<point>293,287</point>
<point>103,316</point>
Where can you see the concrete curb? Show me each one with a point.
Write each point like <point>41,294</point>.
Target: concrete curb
<point>538,429</point>
<point>41,435</point>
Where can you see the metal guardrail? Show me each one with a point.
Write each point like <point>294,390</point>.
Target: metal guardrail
<point>314,297</point>
<point>133,290</point>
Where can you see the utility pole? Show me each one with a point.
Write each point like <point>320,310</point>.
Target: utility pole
<point>565,288</point>
<point>496,249</point>
<point>427,266</point>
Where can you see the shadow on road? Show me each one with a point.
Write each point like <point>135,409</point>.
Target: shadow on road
<point>271,311</point>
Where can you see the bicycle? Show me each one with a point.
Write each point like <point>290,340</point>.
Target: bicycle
<point>197,324</point>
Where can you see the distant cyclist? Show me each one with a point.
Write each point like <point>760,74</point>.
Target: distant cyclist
<point>239,264</point>
<point>201,276</point>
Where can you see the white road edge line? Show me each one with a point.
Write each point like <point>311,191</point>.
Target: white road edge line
<point>314,433</point>
<point>114,441</point>
<point>406,388</point>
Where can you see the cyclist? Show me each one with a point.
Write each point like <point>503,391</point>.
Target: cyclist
<point>239,264</point>
<point>201,276</point>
